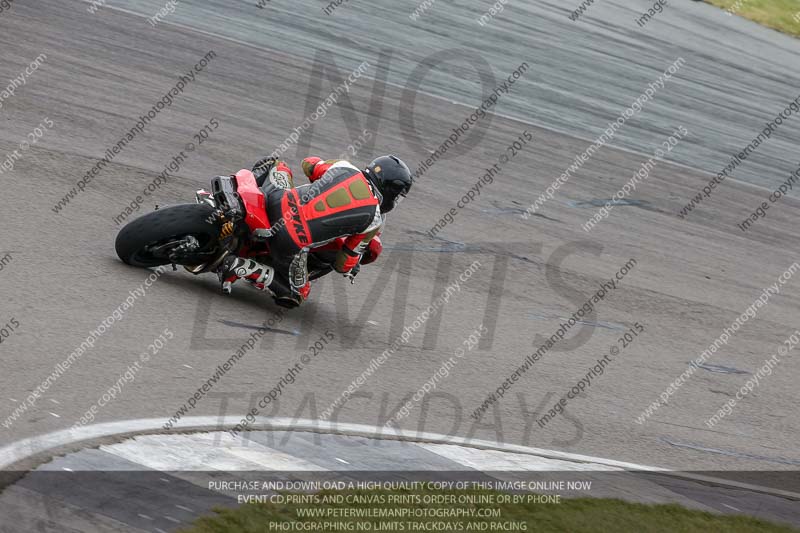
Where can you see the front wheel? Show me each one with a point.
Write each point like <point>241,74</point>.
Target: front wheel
<point>147,241</point>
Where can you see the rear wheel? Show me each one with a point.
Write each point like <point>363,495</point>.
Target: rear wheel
<point>147,241</point>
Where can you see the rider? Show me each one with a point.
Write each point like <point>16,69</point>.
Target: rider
<point>341,202</point>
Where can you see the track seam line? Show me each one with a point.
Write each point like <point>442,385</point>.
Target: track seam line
<point>528,121</point>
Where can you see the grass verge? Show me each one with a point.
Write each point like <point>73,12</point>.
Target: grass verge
<point>781,15</point>
<point>406,510</point>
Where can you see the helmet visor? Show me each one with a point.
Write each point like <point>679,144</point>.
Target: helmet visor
<point>397,187</point>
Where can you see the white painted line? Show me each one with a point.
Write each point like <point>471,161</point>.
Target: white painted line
<point>187,366</point>
<point>67,469</point>
<point>495,461</point>
<point>182,508</point>
<point>25,449</point>
<point>271,459</point>
<point>145,516</point>
<point>165,480</point>
<point>55,401</point>
<point>181,453</point>
<point>341,460</point>
<point>205,451</point>
<point>55,415</point>
<point>13,400</point>
<point>29,447</point>
<point>731,507</point>
<point>172,519</point>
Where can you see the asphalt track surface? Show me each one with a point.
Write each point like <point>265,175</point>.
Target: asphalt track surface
<point>692,277</point>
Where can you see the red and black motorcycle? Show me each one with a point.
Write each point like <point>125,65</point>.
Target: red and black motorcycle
<point>231,219</point>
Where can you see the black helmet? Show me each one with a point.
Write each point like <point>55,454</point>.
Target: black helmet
<point>391,177</point>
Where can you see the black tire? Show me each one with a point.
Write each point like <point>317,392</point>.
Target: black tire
<point>164,225</point>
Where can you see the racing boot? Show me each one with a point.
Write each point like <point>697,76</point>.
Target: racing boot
<point>234,268</point>
<point>299,283</point>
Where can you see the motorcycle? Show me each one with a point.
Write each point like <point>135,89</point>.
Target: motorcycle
<point>230,219</point>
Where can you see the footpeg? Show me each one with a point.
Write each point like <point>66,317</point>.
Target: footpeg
<point>262,235</point>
